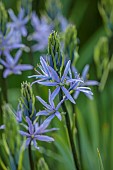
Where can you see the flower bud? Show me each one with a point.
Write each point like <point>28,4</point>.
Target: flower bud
<point>3,18</point>
<point>56,59</point>
<point>28,100</point>
<point>71,43</point>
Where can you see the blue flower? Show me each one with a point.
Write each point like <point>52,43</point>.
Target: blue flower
<point>60,81</point>
<point>8,42</point>
<point>82,87</point>
<point>41,32</point>
<point>18,22</point>
<point>11,64</point>
<point>18,113</point>
<point>35,132</point>
<point>62,21</point>
<point>2,127</point>
<point>44,74</point>
<point>51,78</point>
<point>50,108</point>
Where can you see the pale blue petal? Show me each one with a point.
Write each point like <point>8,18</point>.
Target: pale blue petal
<point>6,73</point>
<point>91,83</point>
<point>23,67</point>
<point>12,15</point>
<point>44,65</point>
<point>43,102</point>
<point>2,127</point>
<point>54,74</point>
<point>50,130</point>
<point>31,127</point>
<point>21,13</point>
<point>44,125</point>
<point>66,70</point>
<point>27,142</point>
<point>17,56</point>
<point>66,92</point>
<point>51,100</point>
<point>44,138</point>
<point>85,72</point>
<point>4,63</point>
<point>24,133</point>
<point>35,144</point>
<point>55,92</point>
<point>43,112</point>
<point>76,94</point>
<point>48,83</point>
<point>59,104</point>
<point>58,115</point>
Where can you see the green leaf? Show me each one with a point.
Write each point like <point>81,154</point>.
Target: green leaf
<point>101,167</point>
<point>42,165</point>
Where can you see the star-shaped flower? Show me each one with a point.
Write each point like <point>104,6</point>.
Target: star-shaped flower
<point>50,108</point>
<point>82,87</point>
<point>44,74</point>
<point>50,77</point>
<point>11,64</point>
<point>18,113</point>
<point>2,127</point>
<point>8,42</point>
<point>60,82</point>
<point>18,22</point>
<point>42,29</point>
<point>36,132</point>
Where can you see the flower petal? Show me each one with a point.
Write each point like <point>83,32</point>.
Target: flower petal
<point>35,144</point>
<point>85,72</point>
<point>44,65</point>
<point>44,138</point>
<point>43,112</point>
<point>58,115</point>
<point>31,127</point>
<point>48,83</point>
<point>43,102</point>
<point>2,127</point>
<point>17,56</point>
<point>66,92</point>
<point>91,83</point>
<point>27,142</point>
<point>66,70</point>
<point>51,100</point>
<point>6,73</point>
<point>55,92</point>
<point>76,94</point>
<point>24,133</point>
<point>54,74</point>
<point>44,125</point>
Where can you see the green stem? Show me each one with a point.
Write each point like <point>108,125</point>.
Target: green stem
<point>30,157</point>
<point>70,134</point>
<point>3,94</point>
<point>78,136</point>
<point>3,85</point>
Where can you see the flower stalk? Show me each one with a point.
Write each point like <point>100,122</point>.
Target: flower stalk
<point>30,158</point>
<point>68,124</point>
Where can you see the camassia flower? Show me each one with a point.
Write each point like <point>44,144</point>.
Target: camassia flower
<point>2,127</point>
<point>35,132</point>
<point>50,108</point>
<point>11,64</point>
<point>82,87</point>
<point>60,82</point>
<point>18,114</point>
<point>44,74</point>
<point>8,42</point>
<point>41,32</point>
<point>18,22</point>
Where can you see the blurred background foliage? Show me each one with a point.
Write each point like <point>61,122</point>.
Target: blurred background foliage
<point>95,117</point>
